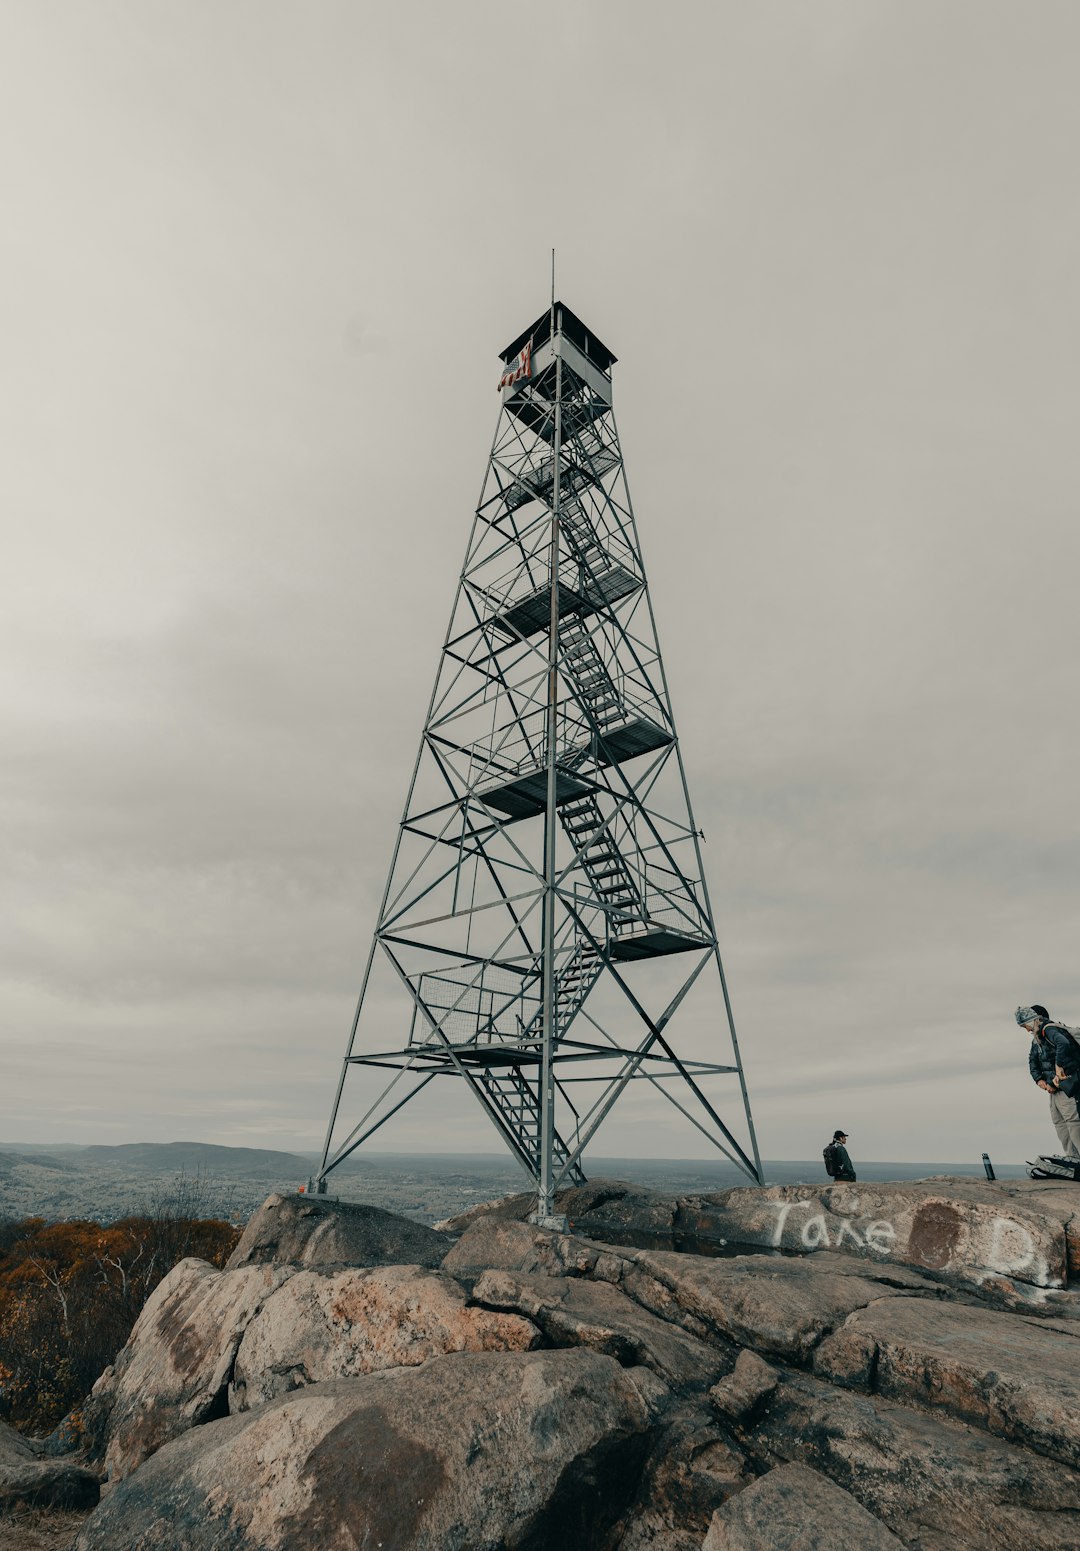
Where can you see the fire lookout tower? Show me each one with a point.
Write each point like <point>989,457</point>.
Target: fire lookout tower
<point>546,913</point>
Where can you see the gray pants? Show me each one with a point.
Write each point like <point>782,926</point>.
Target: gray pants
<point>1063,1113</point>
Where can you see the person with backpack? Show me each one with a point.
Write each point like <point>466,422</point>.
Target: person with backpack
<point>838,1164</point>
<point>1054,1064</point>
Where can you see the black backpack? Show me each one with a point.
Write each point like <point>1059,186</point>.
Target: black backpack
<point>829,1154</point>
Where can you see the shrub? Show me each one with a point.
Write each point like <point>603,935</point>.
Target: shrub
<point>70,1293</point>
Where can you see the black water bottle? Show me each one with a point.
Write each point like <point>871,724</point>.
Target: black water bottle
<point>988,1166</point>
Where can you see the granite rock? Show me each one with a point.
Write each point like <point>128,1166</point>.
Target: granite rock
<point>573,1311</point>
<point>1015,1377</point>
<point>796,1509</point>
<point>328,1325</point>
<point>928,1478</point>
<point>315,1231</point>
<point>29,1481</point>
<point>420,1458</point>
<point>174,1371</point>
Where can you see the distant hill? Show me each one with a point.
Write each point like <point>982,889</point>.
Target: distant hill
<point>206,1157</point>
<point>43,1160</point>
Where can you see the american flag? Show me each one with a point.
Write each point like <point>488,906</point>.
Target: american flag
<point>519,367</point>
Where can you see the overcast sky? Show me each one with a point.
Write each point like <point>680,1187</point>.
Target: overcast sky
<point>257,261</point>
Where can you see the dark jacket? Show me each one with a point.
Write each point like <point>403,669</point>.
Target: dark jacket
<point>1051,1049</point>
<point>844,1168</point>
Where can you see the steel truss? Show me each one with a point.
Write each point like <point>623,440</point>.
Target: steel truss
<point>548,845</point>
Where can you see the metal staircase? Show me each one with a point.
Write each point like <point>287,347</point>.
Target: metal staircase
<point>604,864</point>
<point>518,1110</point>
<point>575,983</point>
<point>588,673</point>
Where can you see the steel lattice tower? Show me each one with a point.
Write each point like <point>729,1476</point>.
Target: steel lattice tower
<point>547,887</point>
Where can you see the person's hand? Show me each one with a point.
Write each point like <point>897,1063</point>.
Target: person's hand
<point>1060,1073</point>
<point>1045,1085</point>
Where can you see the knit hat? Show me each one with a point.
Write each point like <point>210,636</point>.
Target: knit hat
<point>1027,1015</point>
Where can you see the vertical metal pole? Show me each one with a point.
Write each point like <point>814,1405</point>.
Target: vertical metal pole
<point>545,1202</point>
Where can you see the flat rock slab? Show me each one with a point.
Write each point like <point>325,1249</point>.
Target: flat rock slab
<point>574,1312</point>
<point>966,1232</point>
<point>1013,1376</point>
<point>921,1473</point>
<point>330,1325</point>
<point>174,1370</point>
<point>795,1509</point>
<point>313,1231</point>
<point>470,1451</point>
<point>970,1232</point>
<point>780,1305</point>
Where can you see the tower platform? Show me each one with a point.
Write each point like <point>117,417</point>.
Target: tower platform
<point>523,794</point>
<point>654,943</point>
<point>532,613</point>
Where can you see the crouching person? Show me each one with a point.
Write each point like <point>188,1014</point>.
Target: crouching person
<point>1054,1064</point>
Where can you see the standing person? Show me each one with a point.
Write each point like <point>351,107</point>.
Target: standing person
<point>1054,1064</point>
<point>837,1161</point>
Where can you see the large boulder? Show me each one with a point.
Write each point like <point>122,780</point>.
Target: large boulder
<point>794,1509</point>
<point>174,1371</point>
<point>328,1325</point>
<point>317,1231</point>
<point>472,1451</point>
<point>1017,1377</point>
<point>28,1480</point>
<point>982,1234</point>
<point>931,1480</point>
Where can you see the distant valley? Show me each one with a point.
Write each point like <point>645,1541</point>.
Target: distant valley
<point>102,1183</point>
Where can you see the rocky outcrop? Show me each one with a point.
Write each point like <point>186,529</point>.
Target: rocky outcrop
<point>319,1231</point>
<point>175,1369</point>
<point>795,1509</point>
<point>29,1480</point>
<point>933,1481</point>
<point>540,1388</point>
<point>515,1450</point>
<point>1015,1377</point>
<point>779,1305</point>
<point>979,1234</point>
<point>339,1325</point>
<point>970,1233</point>
<point>574,1312</point>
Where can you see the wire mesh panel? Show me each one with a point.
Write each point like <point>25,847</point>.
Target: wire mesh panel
<point>493,1005</point>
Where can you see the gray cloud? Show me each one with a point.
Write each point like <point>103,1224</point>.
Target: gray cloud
<point>256,270</point>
